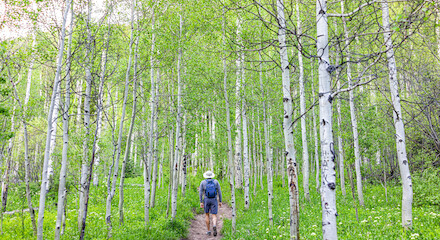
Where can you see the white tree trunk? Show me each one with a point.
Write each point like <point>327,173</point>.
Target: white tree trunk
<point>53,137</point>
<point>238,160</point>
<point>111,192</point>
<point>254,153</point>
<point>228,128</point>
<point>44,180</point>
<point>328,175</point>
<point>88,76</point>
<point>288,126</point>
<point>78,90</point>
<point>101,86</point>
<point>152,98</point>
<point>184,155</point>
<point>62,191</point>
<point>340,144</point>
<point>177,151</point>
<point>302,100</point>
<point>354,124</point>
<point>246,162</point>
<point>196,155</point>
<point>407,192</point>
<point>154,177</point>
<point>130,130</point>
<point>315,134</point>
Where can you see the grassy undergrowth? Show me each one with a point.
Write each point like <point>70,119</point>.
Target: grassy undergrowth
<point>379,219</point>
<point>18,225</point>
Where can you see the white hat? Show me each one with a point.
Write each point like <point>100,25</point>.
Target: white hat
<point>208,174</point>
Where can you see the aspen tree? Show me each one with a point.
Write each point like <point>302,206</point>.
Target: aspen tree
<point>238,147</point>
<point>328,175</point>
<point>62,191</point>
<point>178,149</point>
<point>254,153</point>
<point>315,134</point>
<point>407,192</point>
<point>111,191</point>
<point>87,97</point>
<point>130,130</point>
<point>154,133</point>
<point>101,86</point>
<point>196,155</point>
<point>302,99</point>
<point>26,154</point>
<point>354,124</point>
<point>246,162</point>
<point>151,136</point>
<point>228,126</point>
<point>44,181</point>
<point>340,144</point>
<point>5,177</point>
<point>25,132</point>
<point>287,125</point>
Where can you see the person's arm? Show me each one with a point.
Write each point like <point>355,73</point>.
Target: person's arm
<point>201,190</point>
<point>219,192</point>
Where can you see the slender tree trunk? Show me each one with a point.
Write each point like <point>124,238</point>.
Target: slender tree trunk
<point>196,155</point>
<point>130,130</point>
<point>62,191</point>
<point>88,76</point>
<point>90,168</point>
<point>260,155</point>
<point>302,99</point>
<point>228,128</point>
<point>340,144</point>
<point>44,181</point>
<point>315,133</point>
<point>151,136</point>
<point>246,161</point>
<point>407,192</point>
<point>184,154</point>
<point>239,62</point>
<point>328,174</point>
<point>177,151</point>
<point>26,156</point>
<point>354,124</point>
<point>288,126</point>
<point>78,90</point>
<point>101,85</point>
<point>254,153</point>
<point>350,175</point>
<point>171,160</point>
<point>111,193</point>
<point>154,177</point>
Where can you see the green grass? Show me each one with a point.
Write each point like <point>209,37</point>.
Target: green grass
<point>18,226</point>
<point>377,220</point>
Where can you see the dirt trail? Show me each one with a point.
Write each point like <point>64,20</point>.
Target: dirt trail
<point>197,230</point>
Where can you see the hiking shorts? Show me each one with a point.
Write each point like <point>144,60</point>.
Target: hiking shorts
<point>211,205</point>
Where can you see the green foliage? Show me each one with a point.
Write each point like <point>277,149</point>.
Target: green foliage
<point>426,191</point>
<point>131,171</point>
<point>378,220</point>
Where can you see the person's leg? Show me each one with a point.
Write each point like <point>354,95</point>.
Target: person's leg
<point>214,219</point>
<point>214,210</point>
<point>207,221</point>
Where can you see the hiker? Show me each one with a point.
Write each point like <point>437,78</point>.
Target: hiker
<point>210,188</point>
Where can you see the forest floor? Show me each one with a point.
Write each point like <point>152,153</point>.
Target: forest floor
<point>197,230</point>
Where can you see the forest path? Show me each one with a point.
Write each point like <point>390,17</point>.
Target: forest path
<point>197,230</point>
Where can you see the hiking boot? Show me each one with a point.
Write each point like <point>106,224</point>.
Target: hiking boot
<point>215,231</point>
<point>209,233</point>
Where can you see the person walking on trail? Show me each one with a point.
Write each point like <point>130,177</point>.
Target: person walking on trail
<point>210,188</point>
